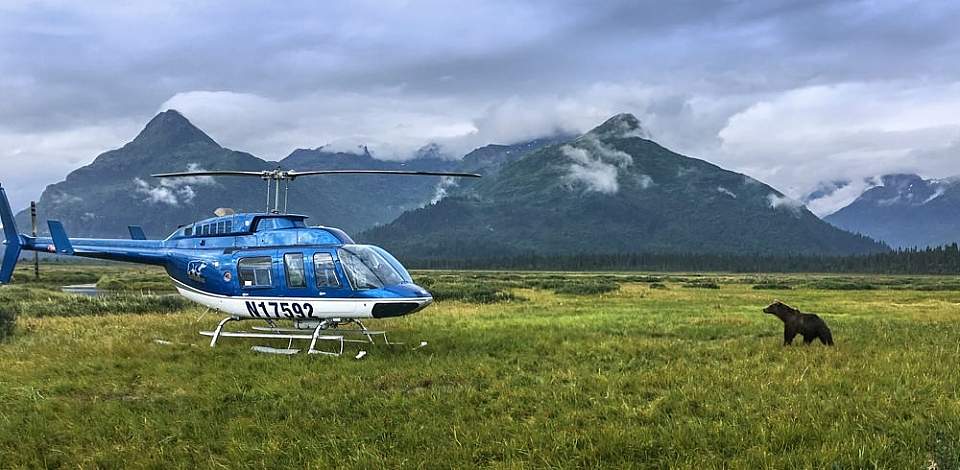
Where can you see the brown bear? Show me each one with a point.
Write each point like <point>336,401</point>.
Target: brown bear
<point>796,322</point>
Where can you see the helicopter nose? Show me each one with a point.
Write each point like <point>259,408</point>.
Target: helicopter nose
<point>411,298</point>
<point>397,309</point>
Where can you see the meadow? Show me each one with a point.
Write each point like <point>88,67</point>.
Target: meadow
<point>544,369</point>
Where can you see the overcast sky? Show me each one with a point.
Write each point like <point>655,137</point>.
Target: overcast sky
<point>790,92</point>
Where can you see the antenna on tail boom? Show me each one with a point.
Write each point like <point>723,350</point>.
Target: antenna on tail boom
<point>287,176</point>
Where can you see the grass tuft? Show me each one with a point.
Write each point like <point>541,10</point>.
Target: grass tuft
<point>701,285</point>
<point>8,321</point>
<point>772,286</point>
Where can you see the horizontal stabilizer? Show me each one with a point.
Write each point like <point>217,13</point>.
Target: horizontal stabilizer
<point>60,240</point>
<point>136,232</point>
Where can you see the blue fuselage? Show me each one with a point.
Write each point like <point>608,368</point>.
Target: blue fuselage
<point>260,256</point>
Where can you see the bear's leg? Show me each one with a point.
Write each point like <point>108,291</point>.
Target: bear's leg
<point>808,338</point>
<point>788,334</point>
<point>825,336</point>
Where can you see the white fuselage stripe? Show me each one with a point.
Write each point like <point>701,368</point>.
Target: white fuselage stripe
<point>292,308</point>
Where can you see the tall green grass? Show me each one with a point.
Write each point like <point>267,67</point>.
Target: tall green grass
<point>636,376</point>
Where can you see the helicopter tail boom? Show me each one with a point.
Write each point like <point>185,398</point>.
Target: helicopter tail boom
<point>13,241</point>
<point>136,251</point>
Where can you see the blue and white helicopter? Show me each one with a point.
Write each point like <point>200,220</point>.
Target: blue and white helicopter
<point>264,266</point>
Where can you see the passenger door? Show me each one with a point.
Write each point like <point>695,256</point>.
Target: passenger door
<point>328,281</point>
<point>295,274</point>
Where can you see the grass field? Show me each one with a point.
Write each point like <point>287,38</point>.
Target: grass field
<point>521,370</point>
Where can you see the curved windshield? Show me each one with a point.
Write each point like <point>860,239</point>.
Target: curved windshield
<point>368,269</point>
<point>393,262</point>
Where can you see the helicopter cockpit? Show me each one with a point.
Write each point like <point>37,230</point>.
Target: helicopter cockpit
<point>371,267</point>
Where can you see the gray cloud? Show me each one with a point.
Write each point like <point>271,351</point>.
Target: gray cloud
<point>792,92</point>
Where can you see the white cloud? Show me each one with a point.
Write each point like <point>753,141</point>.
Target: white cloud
<point>174,191</point>
<point>156,195</point>
<point>785,203</point>
<point>390,126</point>
<point>726,191</point>
<point>936,194</point>
<point>61,198</point>
<point>445,184</point>
<point>393,123</point>
<point>801,137</point>
<point>842,196</point>
<point>596,175</point>
<point>597,166</point>
<point>645,181</point>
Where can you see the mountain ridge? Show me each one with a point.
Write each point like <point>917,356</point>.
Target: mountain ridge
<point>905,210</point>
<point>613,190</point>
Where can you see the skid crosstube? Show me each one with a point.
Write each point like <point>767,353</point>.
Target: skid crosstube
<point>292,334</point>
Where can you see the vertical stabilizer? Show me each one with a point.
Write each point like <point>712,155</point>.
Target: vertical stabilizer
<point>12,242</point>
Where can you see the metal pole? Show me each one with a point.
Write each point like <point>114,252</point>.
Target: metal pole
<point>286,193</point>
<point>36,255</point>
<point>276,202</point>
<point>268,192</point>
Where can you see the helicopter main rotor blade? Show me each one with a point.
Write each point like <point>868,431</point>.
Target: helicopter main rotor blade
<point>296,174</point>
<point>182,174</point>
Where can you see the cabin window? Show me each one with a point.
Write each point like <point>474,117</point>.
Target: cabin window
<point>229,226</point>
<point>326,271</point>
<point>220,227</point>
<point>265,224</point>
<point>206,230</point>
<point>293,263</point>
<point>255,272</point>
<point>188,231</point>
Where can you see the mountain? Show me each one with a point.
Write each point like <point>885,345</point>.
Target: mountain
<point>116,190</point>
<point>102,198</point>
<point>905,211</point>
<point>613,190</point>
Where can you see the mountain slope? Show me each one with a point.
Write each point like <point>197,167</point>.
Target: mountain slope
<point>905,211</point>
<point>613,190</point>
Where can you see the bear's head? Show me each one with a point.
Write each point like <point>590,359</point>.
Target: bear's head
<point>777,308</point>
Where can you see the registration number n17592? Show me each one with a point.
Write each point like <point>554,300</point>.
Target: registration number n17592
<point>279,309</point>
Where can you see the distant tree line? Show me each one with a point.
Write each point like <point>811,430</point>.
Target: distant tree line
<point>939,260</point>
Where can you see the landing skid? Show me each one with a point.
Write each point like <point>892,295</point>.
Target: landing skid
<point>330,328</point>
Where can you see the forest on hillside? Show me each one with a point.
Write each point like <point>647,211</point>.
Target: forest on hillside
<point>937,260</point>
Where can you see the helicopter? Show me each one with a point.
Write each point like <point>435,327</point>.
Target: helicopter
<point>269,266</point>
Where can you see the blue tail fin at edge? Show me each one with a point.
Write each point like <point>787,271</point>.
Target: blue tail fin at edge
<point>13,241</point>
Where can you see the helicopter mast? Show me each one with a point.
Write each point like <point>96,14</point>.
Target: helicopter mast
<point>276,196</point>
<point>267,179</point>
